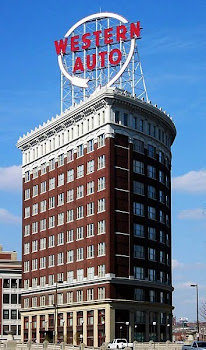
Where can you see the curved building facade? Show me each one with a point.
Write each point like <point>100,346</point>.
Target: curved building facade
<point>97,223</point>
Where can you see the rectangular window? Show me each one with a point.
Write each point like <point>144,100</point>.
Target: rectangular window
<point>26,230</point>
<point>152,296</point>
<point>139,273</point>
<point>34,246</point>
<point>90,273</point>
<point>70,155</point>
<point>138,230</point>
<point>80,191</point>
<point>27,194</point>
<point>26,266</point>
<point>35,209</point>
<point>43,187</point>
<point>101,270</point>
<point>70,298</point>
<point>43,262</point>
<point>101,227</point>
<point>51,282</point>
<point>42,206</point>
<point>151,172</point>
<point>34,264</point>
<point>34,227</point>
<point>138,167</point>
<point>161,157</point>
<point>90,251</point>
<point>151,151</point>
<point>90,295</point>
<point>60,258</point>
<point>125,119</point>
<point>51,164</point>
<point>151,192</point>
<point>139,294</point>
<point>138,209</point>
<point>101,293</point>
<point>42,281</point>
<point>26,248</point>
<point>79,295</point>
<point>90,187</point>
<point>90,230</point>
<point>138,188</point>
<point>27,212</point>
<point>61,179</point>
<point>161,177</point>
<point>139,252</point>
<point>101,205</point>
<point>90,208</point>
<point>52,183</point>
<point>60,238</point>
<point>162,217</point>
<point>80,254</point>
<point>101,183</point>
<point>80,150</point>
<point>51,260</point>
<point>51,221</point>
<point>35,172</point>
<point>152,254</point>
<point>162,257</point>
<point>101,162</point>
<point>90,145</point>
<point>80,274</point>
<point>61,198</point>
<point>80,232</point>
<point>43,168</point>
<point>101,140</point>
<point>80,171</point>
<point>141,125</point>
<point>51,241</point>
<point>101,249</point>
<point>61,159</point>
<point>70,256</point>
<point>60,219</point>
<point>117,117</point>
<point>152,275</point>
<point>70,276</point>
<point>138,146</point>
<point>151,213</point>
<point>27,176</point>
<point>70,175</point>
<point>152,233</point>
<point>70,236</point>
<point>70,215</point>
<point>70,195</point>
<point>90,166</point>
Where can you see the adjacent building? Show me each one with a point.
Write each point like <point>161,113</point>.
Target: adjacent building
<point>10,295</point>
<point>97,223</point>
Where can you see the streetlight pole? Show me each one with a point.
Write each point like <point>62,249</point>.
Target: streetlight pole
<point>154,324</point>
<point>197,297</point>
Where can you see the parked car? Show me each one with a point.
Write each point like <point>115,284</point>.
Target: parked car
<point>195,345</point>
<point>119,344</point>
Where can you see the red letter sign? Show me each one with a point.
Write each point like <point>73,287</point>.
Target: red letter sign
<point>61,46</point>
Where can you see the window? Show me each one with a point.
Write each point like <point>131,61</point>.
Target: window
<point>80,232</point>
<point>138,209</point>
<point>90,187</point>
<point>51,299</point>
<point>139,294</point>
<point>151,213</point>
<point>161,196</point>
<point>90,166</point>
<point>80,254</point>
<point>162,237</point>
<point>151,152</point>
<point>43,187</point>
<point>51,282</point>
<point>60,218</point>
<point>161,177</point>
<point>70,256</point>
<point>6,299</point>
<point>80,150</point>
<point>80,191</point>
<point>51,202</point>
<point>34,282</point>
<point>80,171</point>
<point>152,296</point>
<point>51,221</point>
<point>161,297</point>
<point>138,187</point>
<point>61,159</point>
<point>26,266</point>
<point>162,217</point>
<point>6,283</point>
<point>138,167</point>
<point>80,274</point>
<point>90,296</point>
<point>139,252</point>
<point>5,314</point>
<point>101,227</point>
<point>138,230</point>
<point>51,241</point>
<point>27,212</point>
<point>70,175</point>
<point>27,194</point>
<point>90,251</point>
<point>43,168</point>
<point>90,145</point>
<point>90,208</point>
<point>42,206</point>
<point>26,230</point>
<point>141,125</point>
<point>70,300</point>
<point>125,119</point>
<point>101,183</point>
<point>152,233</point>
<point>35,172</point>
<point>34,302</point>
<point>70,236</point>
<point>101,205</point>
<point>117,117</point>
<point>42,281</point>
<point>70,276</point>
<point>70,195</point>
<point>27,176</point>
<point>34,246</point>
<point>43,262</point>
<point>60,238</point>
<point>60,258</point>
<point>101,270</point>
<point>35,209</point>
<point>79,295</point>
<point>70,155</point>
<point>61,198</point>
<point>61,179</point>
<point>34,264</point>
<point>151,192</point>
<point>90,230</point>
<point>42,300</point>
<point>51,260</point>
<point>52,164</point>
<point>52,183</point>
<point>152,254</point>
<point>139,273</point>
<point>90,273</point>
<point>26,248</point>
<point>162,257</point>
<point>70,215</point>
<point>162,276</point>
<point>161,157</point>
<point>101,248</point>
<point>138,146</point>
<point>101,293</point>
<point>100,140</point>
<point>152,275</point>
<point>101,162</point>
<point>151,172</point>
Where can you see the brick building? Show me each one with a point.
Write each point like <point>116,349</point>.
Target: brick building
<point>97,223</point>
<point>10,297</point>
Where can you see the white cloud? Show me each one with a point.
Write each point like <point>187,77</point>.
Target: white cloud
<point>176,264</point>
<point>10,178</point>
<point>8,218</point>
<point>192,182</point>
<point>191,214</point>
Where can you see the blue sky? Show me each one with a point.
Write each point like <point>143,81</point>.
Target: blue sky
<point>173,56</point>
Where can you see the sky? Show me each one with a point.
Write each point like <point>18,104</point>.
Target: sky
<point>173,58</point>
